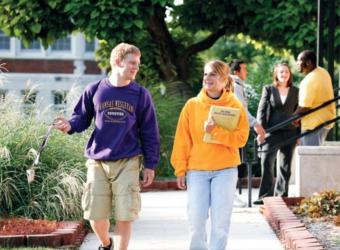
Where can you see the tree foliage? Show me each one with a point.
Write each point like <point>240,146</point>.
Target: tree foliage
<point>171,46</point>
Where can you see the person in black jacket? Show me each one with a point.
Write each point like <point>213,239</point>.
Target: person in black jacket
<point>278,102</point>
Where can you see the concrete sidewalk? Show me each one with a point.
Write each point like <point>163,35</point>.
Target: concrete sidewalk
<point>163,226</point>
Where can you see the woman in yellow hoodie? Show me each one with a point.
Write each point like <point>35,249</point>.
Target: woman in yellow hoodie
<point>209,170</point>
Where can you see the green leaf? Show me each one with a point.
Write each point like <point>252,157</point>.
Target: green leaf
<point>25,42</point>
<point>36,28</point>
<point>17,32</point>
<point>94,14</point>
<point>299,44</point>
<point>134,9</point>
<point>50,37</point>
<point>52,4</point>
<point>138,23</point>
<point>127,25</point>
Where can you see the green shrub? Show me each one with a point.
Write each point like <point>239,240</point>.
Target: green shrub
<point>168,109</point>
<point>56,191</point>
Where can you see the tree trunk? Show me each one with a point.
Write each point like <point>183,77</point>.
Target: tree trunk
<point>174,67</point>
<point>170,67</point>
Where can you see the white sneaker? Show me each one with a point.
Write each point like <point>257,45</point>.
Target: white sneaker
<point>238,202</point>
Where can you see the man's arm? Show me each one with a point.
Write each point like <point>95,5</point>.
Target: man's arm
<point>299,110</point>
<point>149,136</point>
<point>238,91</point>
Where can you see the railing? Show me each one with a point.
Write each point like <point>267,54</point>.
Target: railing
<point>250,162</point>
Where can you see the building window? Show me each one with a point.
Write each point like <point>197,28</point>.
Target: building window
<point>63,44</point>
<point>90,46</point>
<point>4,41</point>
<point>29,100</point>
<point>35,45</point>
<point>3,93</point>
<point>59,101</point>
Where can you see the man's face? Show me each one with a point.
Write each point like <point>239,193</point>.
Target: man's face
<point>129,66</point>
<point>300,64</point>
<point>243,73</point>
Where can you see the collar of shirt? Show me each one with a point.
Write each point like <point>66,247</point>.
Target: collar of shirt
<point>237,80</point>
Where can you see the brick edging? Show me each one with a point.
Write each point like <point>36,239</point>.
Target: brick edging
<point>292,233</point>
<point>69,233</point>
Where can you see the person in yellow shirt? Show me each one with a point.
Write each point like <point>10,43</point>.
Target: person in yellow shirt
<point>315,89</point>
<point>209,170</point>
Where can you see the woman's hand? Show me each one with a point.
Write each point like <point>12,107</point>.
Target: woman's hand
<point>260,139</point>
<point>181,182</point>
<point>209,125</point>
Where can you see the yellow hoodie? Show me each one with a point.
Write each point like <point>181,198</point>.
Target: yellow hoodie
<point>191,153</point>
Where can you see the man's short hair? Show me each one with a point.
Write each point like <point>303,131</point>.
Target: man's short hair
<point>121,50</point>
<point>308,55</point>
<point>235,65</point>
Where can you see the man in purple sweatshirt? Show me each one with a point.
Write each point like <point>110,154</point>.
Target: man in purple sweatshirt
<point>125,128</point>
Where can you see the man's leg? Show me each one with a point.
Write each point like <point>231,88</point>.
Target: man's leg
<point>122,234</point>
<point>316,138</point>
<point>97,201</point>
<point>101,229</point>
<point>126,198</point>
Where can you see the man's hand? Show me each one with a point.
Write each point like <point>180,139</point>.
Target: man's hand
<point>181,182</point>
<point>260,130</point>
<point>148,176</point>
<point>209,125</point>
<point>296,123</point>
<point>62,124</point>
<point>299,110</point>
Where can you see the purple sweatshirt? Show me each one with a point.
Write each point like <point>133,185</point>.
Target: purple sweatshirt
<point>125,122</point>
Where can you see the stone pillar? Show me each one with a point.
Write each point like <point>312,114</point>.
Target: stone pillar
<point>317,169</point>
<point>78,50</point>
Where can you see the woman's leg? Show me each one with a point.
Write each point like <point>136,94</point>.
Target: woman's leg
<point>198,184</point>
<point>223,188</point>
<point>284,171</point>
<point>267,179</point>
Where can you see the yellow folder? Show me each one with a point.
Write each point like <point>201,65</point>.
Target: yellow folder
<point>225,117</point>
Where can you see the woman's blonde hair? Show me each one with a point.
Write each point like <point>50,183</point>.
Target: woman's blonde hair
<point>275,73</point>
<point>222,69</point>
<point>121,50</point>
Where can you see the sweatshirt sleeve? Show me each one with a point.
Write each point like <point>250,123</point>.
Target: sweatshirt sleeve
<point>182,144</point>
<point>236,138</point>
<point>83,113</point>
<point>149,132</point>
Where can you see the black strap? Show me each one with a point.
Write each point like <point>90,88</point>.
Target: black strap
<point>292,139</point>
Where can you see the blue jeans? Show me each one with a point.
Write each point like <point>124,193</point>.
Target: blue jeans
<point>214,190</point>
<point>316,138</point>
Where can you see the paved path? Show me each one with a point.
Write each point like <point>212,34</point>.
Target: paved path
<point>163,226</point>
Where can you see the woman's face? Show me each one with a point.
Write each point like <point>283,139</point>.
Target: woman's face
<point>212,82</point>
<point>283,74</point>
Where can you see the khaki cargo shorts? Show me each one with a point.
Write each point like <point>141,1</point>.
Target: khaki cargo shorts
<point>112,187</point>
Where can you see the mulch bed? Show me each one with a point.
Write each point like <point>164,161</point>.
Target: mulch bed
<point>21,226</point>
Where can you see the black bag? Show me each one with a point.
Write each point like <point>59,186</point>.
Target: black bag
<point>242,168</point>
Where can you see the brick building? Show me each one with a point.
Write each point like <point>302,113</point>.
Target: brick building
<point>47,75</point>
